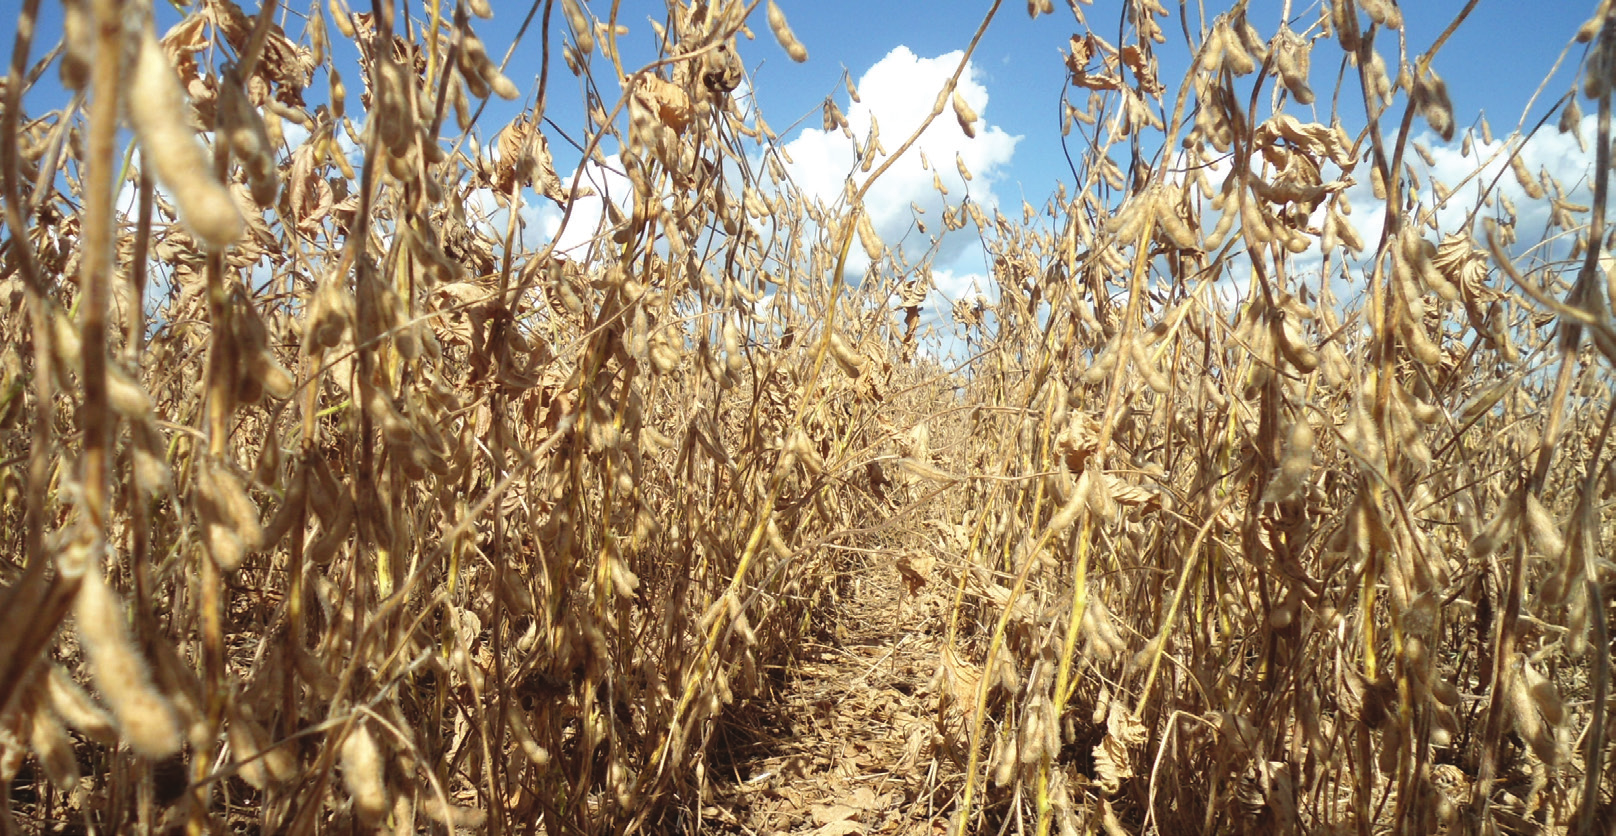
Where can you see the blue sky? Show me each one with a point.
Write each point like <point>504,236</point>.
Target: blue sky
<point>899,51</point>
<point>1493,63</point>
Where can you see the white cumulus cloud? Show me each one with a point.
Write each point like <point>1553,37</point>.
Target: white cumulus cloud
<point>588,220</point>
<point>895,95</point>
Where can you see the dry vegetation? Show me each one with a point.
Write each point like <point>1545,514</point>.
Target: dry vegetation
<point>330,506</point>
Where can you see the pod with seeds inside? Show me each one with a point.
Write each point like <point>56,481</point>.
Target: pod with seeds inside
<point>1425,413</point>
<point>394,426</point>
<point>664,357</point>
<point>363,774</point>
<point>1282,615</point>
<point>406,162</point>
<point>1546,537</point>
<point>524,736</point>
<point>145,717</point>
<point>1252,222</point>
<point>1377,181</point>
<point>75,707</point>
<point>1213,396</point>
<point>731,334</point>
<point>777,541</point>
<point>476,81</point>
<point>1415,337</point>
<point>267,469</point>
<point>753,203</point>
<point>271,375</point>
<point>262,766</point>
<point>54,749</point>
<point>252,347</point>
<point>1212,49</point>
<point>1031,734</point>
<point>1444,692</point>
<point>157,112</point>
<point>1177,230</point>
<point>65,345</point>
<point>852,364</point>
<point>408,341</point>
<point>393,111</point>
<point>481,74</point>
<point>1295,463</point>
<point>1376,79</point>
<point>1002,760</point>
<point>244,128</point>
<point>125,394</point>
<point>340,18</point>
<point>965,115</point>
<point>1346,232</point>
<point>1419,255</point>
<point>1101,502</point>
<point>1235,56</point>
<point>624,581</point>
<point>1430,97</point>
<point>783,34</point>
<point>1590,28</point>
<point>286,514</point>
<point>582,32</point>
<point>1073,507</point>
<point>1523,708</point>
<point>1220,230</point>
<point>329,315</point>
<point>1543,694</point>
<point>1501,529</point>
<point>474,60</point>
<point>1125,224</point>
<point>1529,183</point>
<point>78,40</point>
<point>1099,631</point>
<point>1104,363</point>
<point>379,308</point>
<point>1596,81</point>
<point>1292,57</point>
<point>323,548</point>
<point>1391,746</point>
<point>1336,18</point>
<point>1154,377</point>
<point>151,470</point>
<point>1251,40</point>
<point>229,516</point>
<point>1425,155</point>
<point>1293,346</point>
<point>1383,12</point>
<point>339,99</point>
<point>868,239</point>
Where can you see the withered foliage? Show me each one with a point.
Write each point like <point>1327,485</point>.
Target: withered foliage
<point>331,503</point>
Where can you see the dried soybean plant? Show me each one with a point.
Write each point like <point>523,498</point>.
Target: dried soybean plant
<point>365,510</point>
<point>1300,528</point>
<point>368,511</point>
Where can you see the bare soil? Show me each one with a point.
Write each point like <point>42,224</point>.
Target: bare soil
<point>845,744</point>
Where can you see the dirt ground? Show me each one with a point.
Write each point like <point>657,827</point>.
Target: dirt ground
<point>845,745</point>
